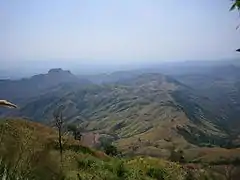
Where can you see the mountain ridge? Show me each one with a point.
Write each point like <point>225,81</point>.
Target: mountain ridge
<point>146,113</point>
<point>142,107</point>
<point>21,91</point>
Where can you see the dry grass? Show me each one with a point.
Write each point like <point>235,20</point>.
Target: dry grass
<point>212,154</point>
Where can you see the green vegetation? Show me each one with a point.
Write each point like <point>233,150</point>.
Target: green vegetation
<point>30,151</point>
<point>148,115</point>
<point>153,108</point>
<point>236,5</point>
<point>145,115</point>
<point>138,108</point>
<point>110,149</point>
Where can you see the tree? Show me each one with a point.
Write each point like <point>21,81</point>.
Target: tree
<point>110,149</point>
<point>58,118</point>
<point>227,171</point>
<point>236,5</point>
<point>176,155</point>
<point>76,131</point>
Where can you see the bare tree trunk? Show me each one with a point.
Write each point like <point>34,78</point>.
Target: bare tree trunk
<point>60,142</point>
<point>5,103</point>
<point>229,170</point>
<point>59,123</point>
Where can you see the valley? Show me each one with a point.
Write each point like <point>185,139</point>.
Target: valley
<point>147,113</point>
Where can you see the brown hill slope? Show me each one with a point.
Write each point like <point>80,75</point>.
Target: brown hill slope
<point>149,114</point>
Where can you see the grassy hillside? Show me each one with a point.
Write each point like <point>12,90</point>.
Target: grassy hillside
<point>220,87</point>
<point>149,114</point>
<point>29,151</point>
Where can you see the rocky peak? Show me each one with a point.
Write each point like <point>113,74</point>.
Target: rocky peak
<point>58,70</point>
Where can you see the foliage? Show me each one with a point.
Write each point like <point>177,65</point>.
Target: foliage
<point>177,156</point>
<point>235,5</point>
<point>28,151</point>
<point>22,154</point>
<point>110,149</point>
<point>152,107</point>
<point>72,127</point>
<point>190,175</point>
<point>79,148</point>
<point>138,107</point>
<point>75,130</point>
<point>159,174</point>
<point>58,119</point>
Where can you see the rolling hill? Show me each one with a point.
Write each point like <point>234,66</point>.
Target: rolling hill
<point>147,114</point>
<point>221,86</point>
<point>143,114</point>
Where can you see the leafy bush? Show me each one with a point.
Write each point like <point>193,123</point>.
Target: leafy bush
<point>190,176</point>
<point>110,149</point>
<point>85,163</point>
<point>159,174</point>
<point>79,148</point>
<point>177,156</point>
<point>120,169</point>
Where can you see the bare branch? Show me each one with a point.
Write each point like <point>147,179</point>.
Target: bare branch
<point>5,103</point>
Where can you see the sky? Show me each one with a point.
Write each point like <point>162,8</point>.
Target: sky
<point>116,31</point>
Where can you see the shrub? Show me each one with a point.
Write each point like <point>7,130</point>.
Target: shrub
<point>79,149</point>
<point>85,163</point>
<point>177,156</point>
<point>190,176</point>
<point>110,149</point>
<point>159,174</point>
<point>120,169</point>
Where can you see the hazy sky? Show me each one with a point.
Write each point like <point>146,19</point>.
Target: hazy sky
<point>122,30</point>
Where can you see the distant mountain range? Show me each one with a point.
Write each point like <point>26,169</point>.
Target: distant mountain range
<point>143,112</point>
<point>17,90</point>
